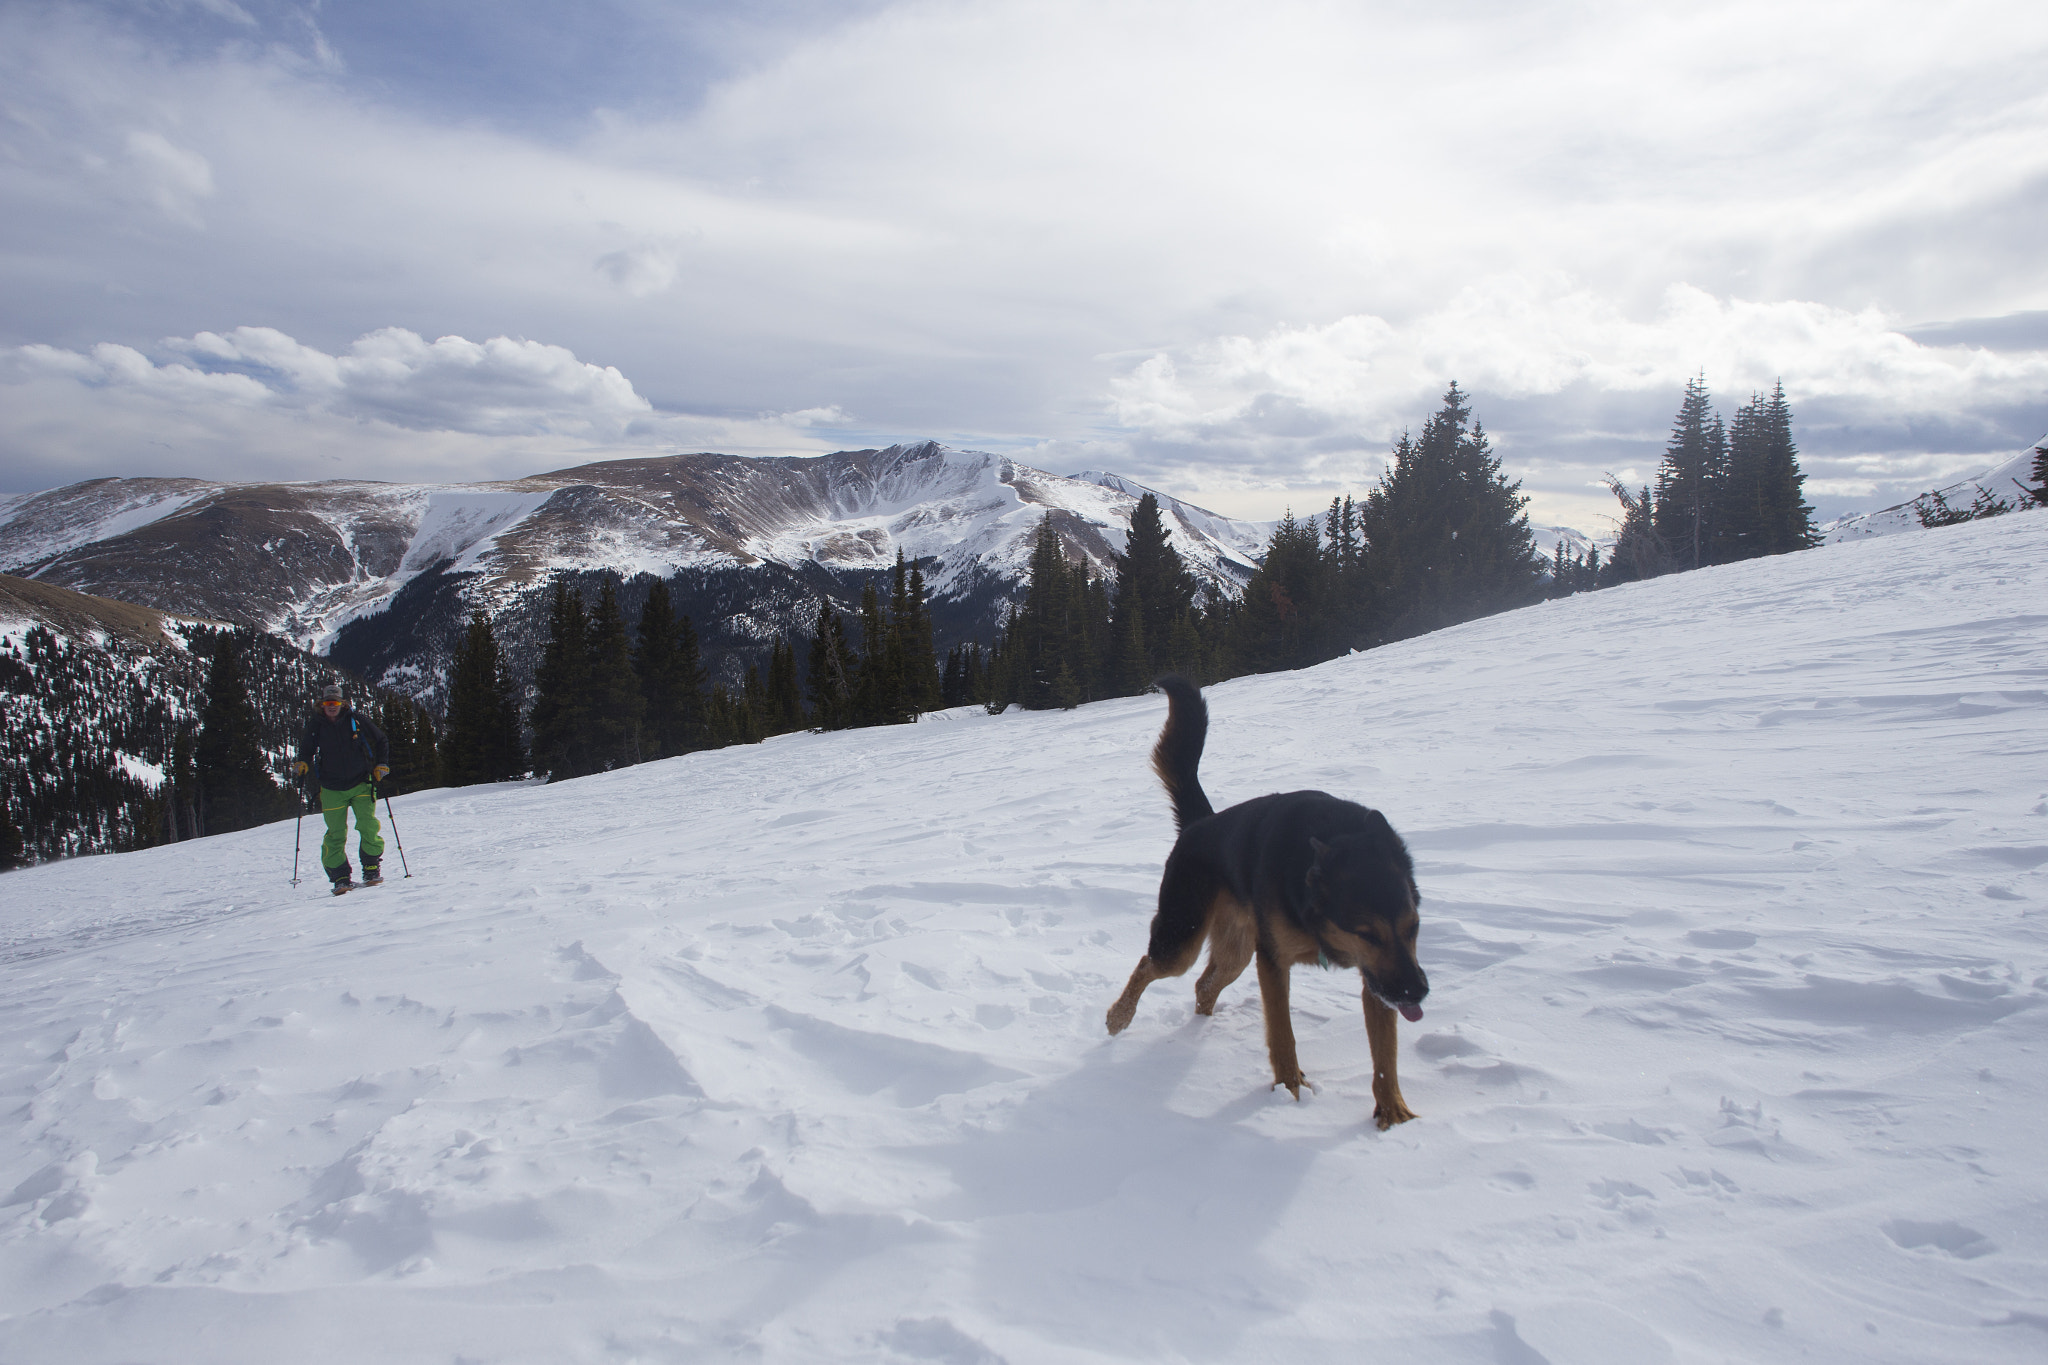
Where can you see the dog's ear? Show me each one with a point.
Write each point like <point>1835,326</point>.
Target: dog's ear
<point>1322,850</point>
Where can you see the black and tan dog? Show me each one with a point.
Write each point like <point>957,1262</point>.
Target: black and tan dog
<point>1293,877</point>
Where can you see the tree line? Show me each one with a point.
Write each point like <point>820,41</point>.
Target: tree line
<point>1442,537</point>
<point>605,697</point>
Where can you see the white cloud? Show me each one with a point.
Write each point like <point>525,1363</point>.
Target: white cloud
<point>497,387</point>
<point>392,406</point>
<point>1515,338</point>
<point>1237,243</point>
<point>174,178</point>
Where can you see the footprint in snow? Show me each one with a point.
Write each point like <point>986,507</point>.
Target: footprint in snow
<point>1952,1239</point>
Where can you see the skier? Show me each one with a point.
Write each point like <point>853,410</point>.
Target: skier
<point>349,756</point>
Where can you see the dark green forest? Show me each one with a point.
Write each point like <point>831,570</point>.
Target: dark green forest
<point>115,746</point>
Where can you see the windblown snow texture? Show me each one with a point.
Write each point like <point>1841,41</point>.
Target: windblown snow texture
<point>1734,893</point>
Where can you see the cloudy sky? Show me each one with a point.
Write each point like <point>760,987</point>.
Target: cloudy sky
<point>1228,249</point>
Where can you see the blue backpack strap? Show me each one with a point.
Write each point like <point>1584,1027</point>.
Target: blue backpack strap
<point>361,743</point>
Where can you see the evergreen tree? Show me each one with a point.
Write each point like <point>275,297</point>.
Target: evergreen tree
<point>13,848</point>
<point>1763,509</point>
<point>1131,667</point>
<point>483,742</point>
<point>615,704</point>
<point>1277,624</point>
<point>783,699</point>
<point>921,690</point>
<point>723,723</point>
<point>561,703</point>
<point>753,707</point>
<point>834,669</point>
<point>1446,533</point>
<point>1159,588</point>
<point>1690,478</point>
<point>415,749</point>
<point>181,791</point>
<point>1347,606</point>
<point>692,687</point>
<point>236,790</point>
<point>1091,648</point>
<point>877,688</point>
<point>656,660</point>
<point>1788,521</point>
<point>1639,551</point>
<point>1741,515</point>
<point>2039,474</point>
<point>1183,653</point>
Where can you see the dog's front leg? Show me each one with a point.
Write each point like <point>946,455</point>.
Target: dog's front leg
<point>1279,1025</point>
<point>1127,1004</point>
<point>1388,1108</point>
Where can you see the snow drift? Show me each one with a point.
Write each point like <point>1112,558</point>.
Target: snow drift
<point>1733,905</point>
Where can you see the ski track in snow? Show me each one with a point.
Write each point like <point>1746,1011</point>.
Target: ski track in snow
<point>1733,906</point>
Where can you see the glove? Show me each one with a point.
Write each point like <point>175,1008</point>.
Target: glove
<point>300,768</point>
<point>379,773</point>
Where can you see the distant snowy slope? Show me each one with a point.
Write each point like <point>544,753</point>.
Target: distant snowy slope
<point>1735,889</point>
<point>2005,480</point>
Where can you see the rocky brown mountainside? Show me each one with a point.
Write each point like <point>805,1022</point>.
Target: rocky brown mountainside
<point>378,576</point>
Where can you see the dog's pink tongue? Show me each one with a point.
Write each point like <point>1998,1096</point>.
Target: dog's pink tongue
<point>1412,1013</point>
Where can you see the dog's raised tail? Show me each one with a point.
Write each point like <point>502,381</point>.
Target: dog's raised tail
<point>1179,751</point>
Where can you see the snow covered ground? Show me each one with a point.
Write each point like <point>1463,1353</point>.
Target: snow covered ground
<point>1735,891</point>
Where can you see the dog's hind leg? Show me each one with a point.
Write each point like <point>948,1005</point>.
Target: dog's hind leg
<point>1279,1025</point>
<point>1388,1108</point>
<point>1231,943</point>
<point>1186,901</point>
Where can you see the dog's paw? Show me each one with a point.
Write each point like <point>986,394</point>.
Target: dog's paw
<point>1119,1017</point>
<point>1385,1116</point>
<point>1294,1086</point>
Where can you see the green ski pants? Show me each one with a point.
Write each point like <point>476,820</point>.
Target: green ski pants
<point>334,808</point>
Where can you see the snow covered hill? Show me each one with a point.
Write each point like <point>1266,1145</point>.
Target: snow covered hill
<point>1735,888</point>
<point>2007,481</point>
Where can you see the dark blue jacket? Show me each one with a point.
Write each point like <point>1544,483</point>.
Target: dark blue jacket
<point>343,750</point>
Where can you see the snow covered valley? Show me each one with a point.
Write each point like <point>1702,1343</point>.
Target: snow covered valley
<point>1735,888</point>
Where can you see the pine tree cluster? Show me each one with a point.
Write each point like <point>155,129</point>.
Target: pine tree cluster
<point>1724,493</point>
<point>601,702</point>
<point>112,745</point>
<point>1442,538</point>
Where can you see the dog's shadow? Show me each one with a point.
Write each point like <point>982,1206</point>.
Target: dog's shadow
<point>1097,1195</point>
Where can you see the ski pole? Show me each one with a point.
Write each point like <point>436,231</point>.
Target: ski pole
<point>298,830</point>
<point>397,838</point>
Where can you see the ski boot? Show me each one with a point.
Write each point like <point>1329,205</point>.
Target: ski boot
<point>340,877</point>
<point>373,874</point>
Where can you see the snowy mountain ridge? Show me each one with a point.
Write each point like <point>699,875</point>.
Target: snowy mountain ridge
<point>305,559</point>
<point>1735,909</point>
